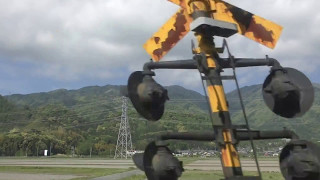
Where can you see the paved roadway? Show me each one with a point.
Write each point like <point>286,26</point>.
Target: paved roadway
<point>69,162</point>
<point>209,165</point>
<point>247,165</point>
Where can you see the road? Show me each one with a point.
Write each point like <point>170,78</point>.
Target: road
<point>209,165</point>
<point>247,165</point>
<point>68,162</point>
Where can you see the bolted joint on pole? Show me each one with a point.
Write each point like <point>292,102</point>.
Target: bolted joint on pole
<point>199,8</point>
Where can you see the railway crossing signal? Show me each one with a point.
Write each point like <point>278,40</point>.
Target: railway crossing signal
<point>234,19</point>
<point>208,18</point>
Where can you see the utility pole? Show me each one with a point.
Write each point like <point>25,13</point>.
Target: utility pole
<point>124,143</point>
<point>72,150</point>
<point>50,148</point>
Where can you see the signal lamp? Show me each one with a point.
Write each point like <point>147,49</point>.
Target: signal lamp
<point>288,92</point>
<point>300,159</point>
<point>147,96</point>
<point>158,163</point>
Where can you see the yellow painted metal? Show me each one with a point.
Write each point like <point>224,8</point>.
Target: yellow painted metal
<point>223,13</point>
<point>197,5</point>
<point>249,25</point>
<point>181,3</point>
<point>174,29</point>
<point>230,157</point>
<point>205,46</point>
<point>211,62</point>
<point>263,31</point>
<point>168,35</point>
<point>217,98</point>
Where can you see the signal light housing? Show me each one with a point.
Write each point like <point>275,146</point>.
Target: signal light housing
<point>300,159</point>
<point>147,96</point>
<point>288,92</point>
<point>158,163</point>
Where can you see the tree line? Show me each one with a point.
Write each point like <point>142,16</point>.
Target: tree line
<point>60,141</point>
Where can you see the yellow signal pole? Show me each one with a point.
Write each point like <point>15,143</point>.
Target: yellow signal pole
<point>219,107</point>
<point>208,18</point>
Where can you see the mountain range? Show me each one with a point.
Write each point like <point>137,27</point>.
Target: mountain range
<point>90,117</point>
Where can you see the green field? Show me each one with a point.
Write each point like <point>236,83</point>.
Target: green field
<point>87,173</point>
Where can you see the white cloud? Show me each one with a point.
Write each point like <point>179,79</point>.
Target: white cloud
<point>74,36</point>
<point>69,40</point>
<point>188,78</point>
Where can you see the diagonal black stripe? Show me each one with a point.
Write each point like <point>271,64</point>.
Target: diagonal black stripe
<point>243,17</point>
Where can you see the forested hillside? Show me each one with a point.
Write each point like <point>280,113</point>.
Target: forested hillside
<point>88,119</point>
<point>260,117</point>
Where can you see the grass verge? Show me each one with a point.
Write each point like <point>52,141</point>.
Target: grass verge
<point>86,173</point>
<point>212,175</point>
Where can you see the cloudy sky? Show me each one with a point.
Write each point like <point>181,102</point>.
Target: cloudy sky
<point>51,44</point>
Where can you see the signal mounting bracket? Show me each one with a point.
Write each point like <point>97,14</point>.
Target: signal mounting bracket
<point>213,27</point>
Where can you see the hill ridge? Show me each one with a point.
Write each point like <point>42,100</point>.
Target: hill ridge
<point>90,116</point>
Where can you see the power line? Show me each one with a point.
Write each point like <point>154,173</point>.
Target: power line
<point>175,121</point>
<point>92,122</point>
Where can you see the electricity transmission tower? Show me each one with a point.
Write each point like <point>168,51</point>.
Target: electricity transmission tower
<point>124,143</point>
